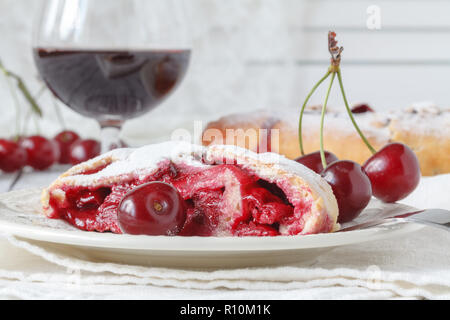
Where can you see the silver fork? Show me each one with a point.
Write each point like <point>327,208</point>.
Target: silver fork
<point>438,218</point>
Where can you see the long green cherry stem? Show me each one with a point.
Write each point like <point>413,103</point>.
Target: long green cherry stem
<point>334,70</point>
<point>23,89</point>
<point>322,122</point>
<point>302,113</point>
<point>350,113</point>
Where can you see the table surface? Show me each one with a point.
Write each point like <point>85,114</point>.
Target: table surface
<point>416,266</point>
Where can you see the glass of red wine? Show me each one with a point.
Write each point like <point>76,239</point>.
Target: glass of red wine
<point>112,60</point>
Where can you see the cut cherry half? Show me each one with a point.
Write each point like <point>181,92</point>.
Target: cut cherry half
<point>153,209</point>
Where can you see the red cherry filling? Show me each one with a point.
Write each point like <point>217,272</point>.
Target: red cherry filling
<point>89,200</point>
<point>219,200</point>
<point>264,207</point>
<point>255,230</point>
<point>394,172</point>
<point>202,218</point>
<point>351,186</point>
<point>314,161</point>
<point>81,209</point>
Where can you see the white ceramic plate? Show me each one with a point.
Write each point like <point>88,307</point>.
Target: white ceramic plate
<point>19,216</point>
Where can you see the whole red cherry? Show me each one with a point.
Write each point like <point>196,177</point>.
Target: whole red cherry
<point>394,172</point>
<point>42,152</point>
<point>65,140</point>
<point>314,160</point>
<point>152,209</point>
<point>84,150</point>
<point>12,156</point>
<point>351,187</point>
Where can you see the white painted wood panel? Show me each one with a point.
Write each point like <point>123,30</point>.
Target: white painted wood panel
<point>397,15</point>
<point>255,54</point>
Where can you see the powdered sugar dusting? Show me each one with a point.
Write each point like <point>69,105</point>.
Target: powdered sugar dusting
<point>137,163</point>
<point>424,118</point>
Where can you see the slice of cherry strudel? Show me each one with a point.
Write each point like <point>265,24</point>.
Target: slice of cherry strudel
<point>227,191</point>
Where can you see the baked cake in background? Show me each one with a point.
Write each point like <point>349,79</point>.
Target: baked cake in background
<point>423,127</point>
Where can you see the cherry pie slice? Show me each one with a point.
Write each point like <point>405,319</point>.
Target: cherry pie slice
<point>228,191</point>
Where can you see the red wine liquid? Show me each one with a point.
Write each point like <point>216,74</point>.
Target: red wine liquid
<point>112,85</point>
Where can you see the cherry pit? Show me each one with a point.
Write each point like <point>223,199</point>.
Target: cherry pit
<point>390,175</point>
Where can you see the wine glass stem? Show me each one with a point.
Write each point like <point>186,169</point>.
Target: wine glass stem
<point>110,138</point>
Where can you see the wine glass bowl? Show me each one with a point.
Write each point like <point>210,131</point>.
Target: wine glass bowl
<point>112,71</point>
<point>111,85</point>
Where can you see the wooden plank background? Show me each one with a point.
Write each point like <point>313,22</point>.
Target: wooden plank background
<point>267,54</point>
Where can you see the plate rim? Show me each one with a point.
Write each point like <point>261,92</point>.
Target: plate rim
<point>110,241</point>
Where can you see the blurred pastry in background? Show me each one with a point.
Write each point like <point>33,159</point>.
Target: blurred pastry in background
<point>423,127</point>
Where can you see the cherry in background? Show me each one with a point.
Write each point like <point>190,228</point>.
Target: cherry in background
<point>42,153</point>
<point>351,187</point>
<point>314,161</point>
<point>154,209</point>
<point>12,156</point>
<point>65,140</point>
<point>84,150</point>
<point>394,172</point>
<point>362,108</point>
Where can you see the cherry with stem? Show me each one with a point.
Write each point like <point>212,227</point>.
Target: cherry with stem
<point>17,158</point>
<point>393,172</point>
<point>335,53</point>
<point>334,69</point>
<point>23,89</point>
<point>32,100</point>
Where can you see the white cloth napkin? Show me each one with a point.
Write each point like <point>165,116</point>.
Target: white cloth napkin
<point>414,266</point>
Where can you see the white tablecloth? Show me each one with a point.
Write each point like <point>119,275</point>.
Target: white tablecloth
<point>415,266</point>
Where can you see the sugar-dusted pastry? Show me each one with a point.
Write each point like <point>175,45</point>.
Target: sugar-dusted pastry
<point>424,128</point>
<point>226,191</point>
